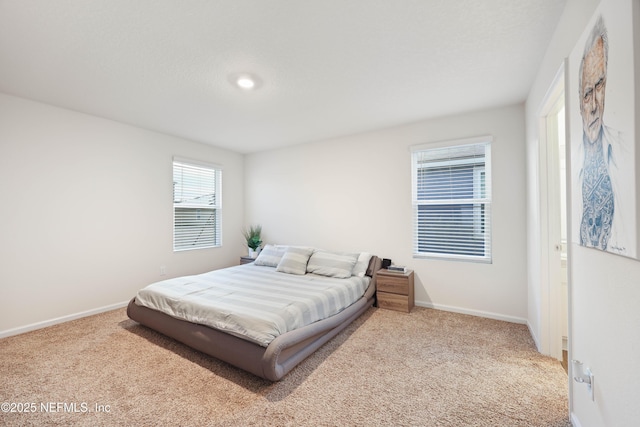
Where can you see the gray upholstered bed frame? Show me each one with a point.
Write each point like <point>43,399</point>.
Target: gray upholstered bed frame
<point>272,362</point>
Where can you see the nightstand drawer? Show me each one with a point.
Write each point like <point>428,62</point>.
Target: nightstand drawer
<point>395,290</point>
<point>394,285</point>
<point>394,302</point>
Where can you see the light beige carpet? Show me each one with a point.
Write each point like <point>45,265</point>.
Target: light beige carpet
<point>427,368</point>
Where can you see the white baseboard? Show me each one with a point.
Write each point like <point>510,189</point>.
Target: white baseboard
<point>574,420</point>
<point>46,323</point>
<point>534,336</point>
<point>477,313</point>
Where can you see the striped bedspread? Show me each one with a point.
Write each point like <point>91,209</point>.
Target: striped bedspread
<point>253,302</point>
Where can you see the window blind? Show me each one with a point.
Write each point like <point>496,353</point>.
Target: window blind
<point>197,208</point>
<point>452,201</point>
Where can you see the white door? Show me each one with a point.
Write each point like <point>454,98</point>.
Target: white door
<point>557,220</point>
<point>553,232</point>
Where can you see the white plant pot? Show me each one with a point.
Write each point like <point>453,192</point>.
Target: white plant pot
<point>254,253</point>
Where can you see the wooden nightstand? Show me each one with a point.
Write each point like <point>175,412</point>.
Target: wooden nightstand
<point>246,260</point>
<point>395,290</point>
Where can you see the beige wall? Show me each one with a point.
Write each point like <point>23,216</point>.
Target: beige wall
<point>354,193</point>
<point>604,288</point>
<point>87,212</point>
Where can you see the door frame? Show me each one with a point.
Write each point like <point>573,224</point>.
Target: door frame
<point>550,302</point>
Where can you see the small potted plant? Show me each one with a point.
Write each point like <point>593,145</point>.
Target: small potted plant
<point>252,236</point>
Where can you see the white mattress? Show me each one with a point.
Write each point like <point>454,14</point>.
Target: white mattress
<point>253,302</point>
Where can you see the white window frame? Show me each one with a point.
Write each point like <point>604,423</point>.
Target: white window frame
<point>481,198</point>
<point>194,207</point>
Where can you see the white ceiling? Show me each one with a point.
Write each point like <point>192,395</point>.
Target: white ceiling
<point>328,68</point>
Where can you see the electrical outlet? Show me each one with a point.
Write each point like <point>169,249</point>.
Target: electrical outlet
<point>163,270</point>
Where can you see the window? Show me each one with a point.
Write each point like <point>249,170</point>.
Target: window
<point>197,205</point>
<point>452,199</point>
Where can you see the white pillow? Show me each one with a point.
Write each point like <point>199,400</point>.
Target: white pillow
<point>270,255</point>
<point>294,260</point>
<point>332,264</point>
<point>360,269</point>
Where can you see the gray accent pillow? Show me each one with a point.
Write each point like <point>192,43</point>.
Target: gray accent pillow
<point>270,255</point>
<point>360,269</point>
<point>294,260</point>
<point>332,264</point>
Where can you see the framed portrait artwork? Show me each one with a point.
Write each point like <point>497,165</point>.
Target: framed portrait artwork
<point>601,99</point>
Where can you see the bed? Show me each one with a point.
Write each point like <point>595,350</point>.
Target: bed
<point>261,317</point>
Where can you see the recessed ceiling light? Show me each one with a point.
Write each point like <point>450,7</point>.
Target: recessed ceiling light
<point>245,81</point>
